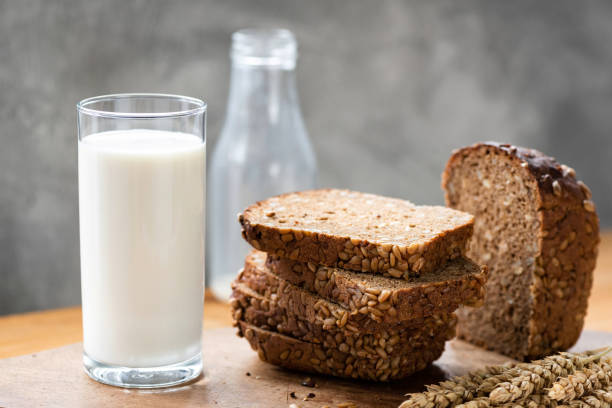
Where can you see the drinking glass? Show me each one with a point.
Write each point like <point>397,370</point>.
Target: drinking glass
<point>142,161</point>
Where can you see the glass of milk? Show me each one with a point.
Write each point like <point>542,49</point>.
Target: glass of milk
<point>142,161</point>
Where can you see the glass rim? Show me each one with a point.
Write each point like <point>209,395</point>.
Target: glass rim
<point>199,106</point>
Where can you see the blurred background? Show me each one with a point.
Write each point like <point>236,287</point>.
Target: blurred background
<point>387,90</point>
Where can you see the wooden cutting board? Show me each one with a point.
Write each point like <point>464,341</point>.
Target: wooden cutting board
<point>233,377</point>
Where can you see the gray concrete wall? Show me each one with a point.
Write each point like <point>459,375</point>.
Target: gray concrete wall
<point>388,88</point>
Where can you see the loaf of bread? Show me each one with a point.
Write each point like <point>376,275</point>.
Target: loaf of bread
<point>537,230</point>
<point>458,282</point>
<point>295,354</point>
<point>387,341</point>
<point>357,231</point>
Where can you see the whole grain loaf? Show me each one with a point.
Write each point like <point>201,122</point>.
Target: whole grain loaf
<point>295,354</point>
<point>537,230</point>
<point>357,231</point>
<point>458,282</point>
<point>249,306</point>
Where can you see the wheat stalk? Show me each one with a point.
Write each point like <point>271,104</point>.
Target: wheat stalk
<point>564,377</point>
<point>454,391</point>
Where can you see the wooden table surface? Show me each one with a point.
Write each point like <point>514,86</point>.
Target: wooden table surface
<point>33,332</point>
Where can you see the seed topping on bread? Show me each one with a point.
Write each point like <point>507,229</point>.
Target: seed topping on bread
<point>357,231</point>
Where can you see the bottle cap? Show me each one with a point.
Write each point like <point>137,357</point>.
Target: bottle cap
<point>269,47</point>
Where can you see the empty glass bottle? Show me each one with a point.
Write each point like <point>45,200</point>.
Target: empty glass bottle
<point>263,150</point>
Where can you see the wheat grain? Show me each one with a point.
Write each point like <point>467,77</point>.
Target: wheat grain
<point>532,401</point>
<point>480,402</point>
<point>594,376</point>
<point>603,394</point>
<point>588,401</point>
<point>594,402</point>
<point>547,368</point>
<point>454,391</point>
<point>519,388</point>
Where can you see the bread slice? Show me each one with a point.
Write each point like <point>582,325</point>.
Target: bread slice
<point>459,282</point>
<point>313,307</point>
<point>537,230</point>
<point>299,355</point>
<point>357,231</point>
<point>249,306</point>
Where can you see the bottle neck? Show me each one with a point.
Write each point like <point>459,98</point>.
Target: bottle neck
<point>261,94</point>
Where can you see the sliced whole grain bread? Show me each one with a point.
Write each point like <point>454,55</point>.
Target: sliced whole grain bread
<point>313,307</point>
<point>537,230</point>
<point>295,354</point>
<point>459,282</point>
<point>357,231</point>
<point>251,307</point>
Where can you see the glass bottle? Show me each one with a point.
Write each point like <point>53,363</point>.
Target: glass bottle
<point>264,149</point>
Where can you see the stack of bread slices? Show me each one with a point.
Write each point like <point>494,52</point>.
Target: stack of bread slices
<point>351,284</point>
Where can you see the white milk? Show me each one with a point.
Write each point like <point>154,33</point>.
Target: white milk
<point>141,203</point>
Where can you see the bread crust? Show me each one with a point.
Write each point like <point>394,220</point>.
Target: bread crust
<point>567,241</point>
<point>295,354</point>
<point>461,282</point>
<point>397,259</point>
